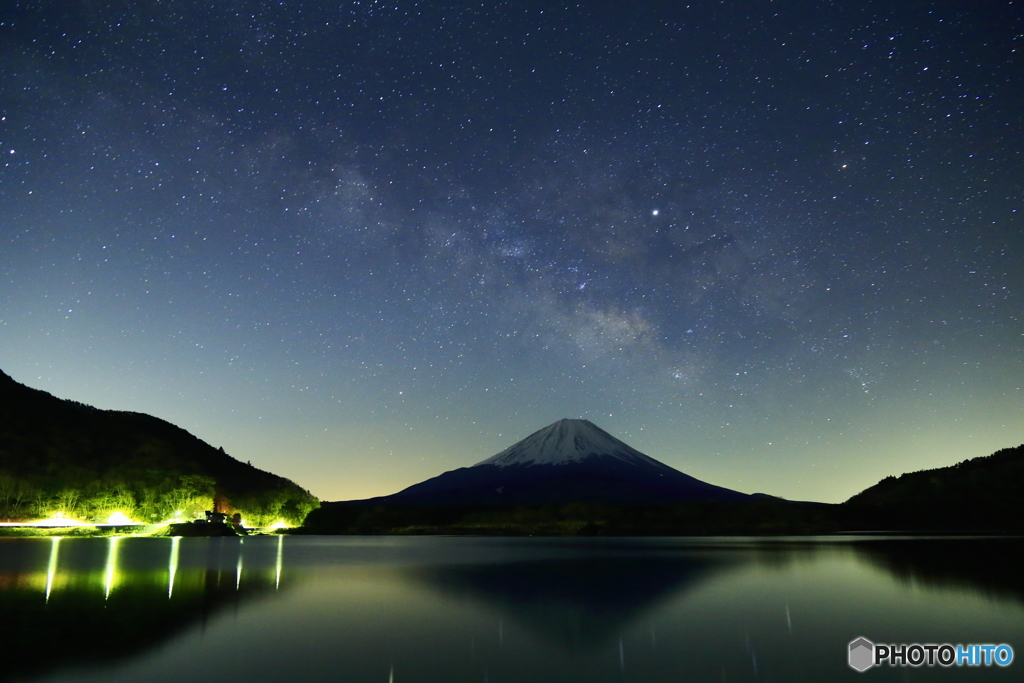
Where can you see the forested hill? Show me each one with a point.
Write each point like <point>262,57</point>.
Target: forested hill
<point>981,493</point>
<point>60,456</point>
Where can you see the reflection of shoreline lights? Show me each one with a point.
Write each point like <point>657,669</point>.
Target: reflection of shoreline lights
<point>111,571</point>
<point>238,570</point>
<point>172,565</point>
<point>51,567</point>
<point>280,554</point>
<point>59,573</point>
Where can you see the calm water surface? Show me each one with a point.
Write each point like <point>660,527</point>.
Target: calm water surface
<point>392,610</point>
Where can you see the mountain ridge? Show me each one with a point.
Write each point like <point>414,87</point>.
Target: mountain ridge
<point>60,455</point>
<point>566,461</point>
<point>565,441</point>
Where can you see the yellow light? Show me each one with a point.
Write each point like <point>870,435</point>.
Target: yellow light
<point>172,565</point>
<point>110,573</point>
<point>119,518</point>
<point>279,524</point>
<point>58,519</point>
<point>280,561</point>
<point>51,569</point>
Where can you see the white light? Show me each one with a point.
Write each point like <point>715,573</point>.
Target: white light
<point>654,213</point>
<point>119,518</point>
<point>172,565</point>
<point>51,569</point>
<point>280,561</point>
<point>57,520</point>
<point>110,573</point>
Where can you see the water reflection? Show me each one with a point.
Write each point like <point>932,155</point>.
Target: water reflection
<point>580,603</point>
<point>106,599</point>
<point>110,571</point>
<point>238,569</point>
<point>172,564</point>
<point>51,567</point>
<point>280,562</point>
<point>991,566</point>
<point>449,610</point>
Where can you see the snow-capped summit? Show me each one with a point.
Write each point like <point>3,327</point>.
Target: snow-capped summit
<point>567,461</point>
<point>568,441</point>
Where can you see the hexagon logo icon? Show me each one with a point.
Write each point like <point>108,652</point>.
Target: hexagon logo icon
<point>862,654</point>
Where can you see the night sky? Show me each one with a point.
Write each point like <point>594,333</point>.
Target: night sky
<point>776,245</point>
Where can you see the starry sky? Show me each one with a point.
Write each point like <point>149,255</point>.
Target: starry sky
<point>776,245</point>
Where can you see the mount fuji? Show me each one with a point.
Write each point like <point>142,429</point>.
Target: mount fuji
<point>567,461</point>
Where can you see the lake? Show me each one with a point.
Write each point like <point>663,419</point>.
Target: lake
<point>451,609</point>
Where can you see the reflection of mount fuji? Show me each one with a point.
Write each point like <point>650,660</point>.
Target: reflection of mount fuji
<point>578,603</point>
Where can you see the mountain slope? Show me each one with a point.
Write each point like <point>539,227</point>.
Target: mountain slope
<point>64,456</point>
<point>567,461</point>
<point>981,493</point>
<point>569,441</point>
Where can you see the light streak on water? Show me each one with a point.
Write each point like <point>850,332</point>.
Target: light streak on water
<point>172,565</point>
<point>622,656</point>
<point>280,557</point>
<point>51,568</point>
<point>789,621</point>
<point>111,570</point>
<point>238,570</point>
<point>391,676</point>
<point>752,651</point>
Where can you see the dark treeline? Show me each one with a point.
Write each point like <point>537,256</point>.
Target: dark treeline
<point>975,496</point>
<point>767,516</point>
<point>63,457</point>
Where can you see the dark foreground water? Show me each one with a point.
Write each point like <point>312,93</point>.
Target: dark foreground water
<point>397,610</point>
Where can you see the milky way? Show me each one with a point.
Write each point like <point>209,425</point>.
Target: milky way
<point>778,246</point>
